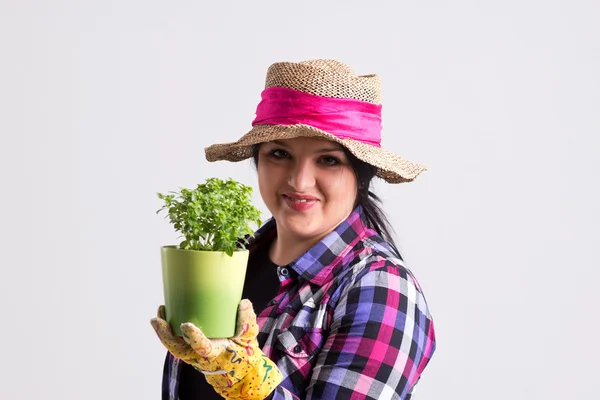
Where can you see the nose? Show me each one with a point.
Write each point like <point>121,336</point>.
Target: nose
<point>301,176</point>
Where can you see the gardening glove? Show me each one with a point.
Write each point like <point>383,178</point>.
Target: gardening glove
<point>235,367</point>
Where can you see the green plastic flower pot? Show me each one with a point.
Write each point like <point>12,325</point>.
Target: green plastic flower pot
<point>204,288</point>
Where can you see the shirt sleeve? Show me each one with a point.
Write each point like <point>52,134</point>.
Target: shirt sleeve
<point>381,338</point>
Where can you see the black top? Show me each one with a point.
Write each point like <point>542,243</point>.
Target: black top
<point>260,287</point>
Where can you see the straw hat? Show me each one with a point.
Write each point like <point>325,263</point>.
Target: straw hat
<point>321,99</point>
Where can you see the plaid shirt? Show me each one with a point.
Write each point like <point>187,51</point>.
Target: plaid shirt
<point>349,321</point>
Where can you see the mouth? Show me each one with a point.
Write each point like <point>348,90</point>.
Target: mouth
<point>300,203</point>
<point>299,199</point>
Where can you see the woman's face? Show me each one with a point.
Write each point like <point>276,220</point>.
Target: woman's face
<point>307,184</point>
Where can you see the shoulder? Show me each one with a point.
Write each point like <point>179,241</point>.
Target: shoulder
<point>373,255</point>
<point>378,275</point>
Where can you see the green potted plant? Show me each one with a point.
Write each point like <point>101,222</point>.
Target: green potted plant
<point>203,276</point>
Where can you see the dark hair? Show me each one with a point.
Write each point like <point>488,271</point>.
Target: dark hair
<point>370,202</point>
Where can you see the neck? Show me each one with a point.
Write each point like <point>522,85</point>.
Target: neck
<point>286,249</point>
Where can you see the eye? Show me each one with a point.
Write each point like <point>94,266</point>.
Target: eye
<point>279,154</point>
<point>329,161</point>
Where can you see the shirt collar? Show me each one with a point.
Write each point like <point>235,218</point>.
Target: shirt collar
<point>320,263</point>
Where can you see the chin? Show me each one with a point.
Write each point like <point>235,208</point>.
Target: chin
<point>302,226</point>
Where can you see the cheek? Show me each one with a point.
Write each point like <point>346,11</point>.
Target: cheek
<point>342,189</point>
<point>267,181</point>
<point>263,182</point>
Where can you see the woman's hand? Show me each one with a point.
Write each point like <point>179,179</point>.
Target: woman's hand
<point>235,367</point>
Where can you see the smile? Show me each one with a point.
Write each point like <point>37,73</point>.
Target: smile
<point>297,204</point>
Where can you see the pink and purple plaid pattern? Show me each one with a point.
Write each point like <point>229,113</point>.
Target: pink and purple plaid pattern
<point>349,321</point>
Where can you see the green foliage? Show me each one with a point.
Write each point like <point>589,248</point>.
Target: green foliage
<point>214,216</point>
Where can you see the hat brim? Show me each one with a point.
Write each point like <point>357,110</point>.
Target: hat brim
<point>390,167</point>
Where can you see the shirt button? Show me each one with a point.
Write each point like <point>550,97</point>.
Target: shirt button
<point>297,348</point>
<point>284,271</point>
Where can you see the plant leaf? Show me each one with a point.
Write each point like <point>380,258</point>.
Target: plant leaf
<point>213,216</point>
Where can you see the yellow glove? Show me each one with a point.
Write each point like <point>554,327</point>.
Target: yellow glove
<point>236,367</point>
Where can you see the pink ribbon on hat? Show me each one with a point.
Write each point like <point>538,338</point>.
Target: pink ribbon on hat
<point>343,118</point>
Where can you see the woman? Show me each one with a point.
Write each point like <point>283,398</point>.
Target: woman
<point>339,315</point>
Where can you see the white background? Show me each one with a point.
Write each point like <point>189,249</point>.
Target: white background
<point>105,103</point>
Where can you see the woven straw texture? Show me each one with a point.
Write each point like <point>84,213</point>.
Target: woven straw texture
<point>328,78</point>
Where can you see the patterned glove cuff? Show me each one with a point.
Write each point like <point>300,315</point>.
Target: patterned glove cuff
<point>221,372</point>
<point>256,380</point>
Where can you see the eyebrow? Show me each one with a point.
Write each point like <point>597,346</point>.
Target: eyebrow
<point>323,150</point>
